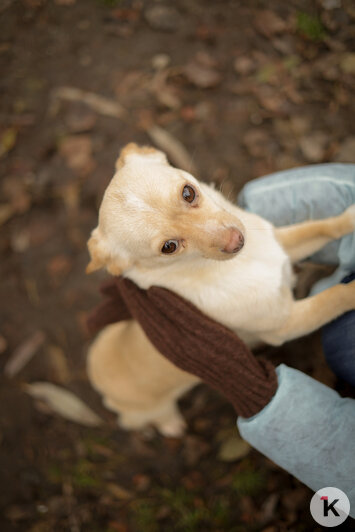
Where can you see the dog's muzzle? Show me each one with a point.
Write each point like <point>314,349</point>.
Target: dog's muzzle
<point>234,241</point>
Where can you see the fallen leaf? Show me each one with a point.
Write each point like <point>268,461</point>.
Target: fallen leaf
<point>117,527</point>
<point>160,61</point>
<point>194,449</point>
<point>23,354</point>
<point>141,482</point>
<point>168,98</point>
<point>164,18</point>
<point>8,140</point>
<point>232,446</point>
<point>346,152</point>
<point>188,113</point>
<point>70,194</point>
<point>347,63</point>
<point>202,76</point>
<point>18,513</point>
<point>80,119</point>
<point>126,14</point>
<point>300,124</point>
<point>267,510</point>
<point>17,193</point>
<point>294,498</point>
<point>64,403</point>
<point>3,344</point>
<point>175,150</point>
<point>331,4</point>
<point>314,146</point>
<point>268,23</point>
<point>59,364</point>
<point>119,492</point>
<point>244,65</point>
<point>6,212</point>
<point>271,100</point>
<point>77,152</point>
<point>257,142</point>
<point>59,266</point>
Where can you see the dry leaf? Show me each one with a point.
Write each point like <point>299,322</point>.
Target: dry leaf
<point>202,76</point>
<point>257,142</point>
<point>65,2</point>
<point>268,23</point>
<point>64,403</point>
<point>347,64</point>
<point>119,492</point>
<point>346,152</point>
<point>7,140</point>
<point>244,65</point>
<point>59,364</point>
<point>3,344</point>
<point>163,18</point>
<point>77,152</point>
<point>314,146</point>
<point>23,354</point>
<point>232,447</point>
<point>175,150</point>
<point>59,266</point>
<point>6,212</point>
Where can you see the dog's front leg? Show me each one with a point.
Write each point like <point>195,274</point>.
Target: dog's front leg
<point>302,240</point>
<point>309,314</point>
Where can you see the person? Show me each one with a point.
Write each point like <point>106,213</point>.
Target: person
<point>316,191</point>
<point>302,425</point>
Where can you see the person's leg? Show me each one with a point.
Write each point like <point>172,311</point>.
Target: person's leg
<point>338,338</point>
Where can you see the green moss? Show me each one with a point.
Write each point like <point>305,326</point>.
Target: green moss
<point>248,482</point>
<point>109,3</point>
<point>310,26</point>
<point>82,475</point>
<point>144,516</point>
<point>191,520</point>
<point>221,512</point>
<point>267,72</point>
<point>291,62</point>
<point>187,516</point>
<point>54,473</point>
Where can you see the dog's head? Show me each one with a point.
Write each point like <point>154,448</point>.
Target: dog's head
<point>152,214</point>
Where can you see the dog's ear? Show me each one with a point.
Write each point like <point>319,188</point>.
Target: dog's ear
<point>132,149</point>
<point>101,257</point>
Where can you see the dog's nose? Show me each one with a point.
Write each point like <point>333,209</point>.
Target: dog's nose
<point>235,241</point>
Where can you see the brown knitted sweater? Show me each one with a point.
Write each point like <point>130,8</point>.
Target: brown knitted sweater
<point>191,341</point>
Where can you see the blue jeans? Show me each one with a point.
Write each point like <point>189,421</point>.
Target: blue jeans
<point>338,338</point>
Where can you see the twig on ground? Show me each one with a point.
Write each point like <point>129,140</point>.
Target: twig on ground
<point>101,104</point>
<point>175,150</point>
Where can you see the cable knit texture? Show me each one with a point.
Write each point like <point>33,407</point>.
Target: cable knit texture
<point>192,341</point>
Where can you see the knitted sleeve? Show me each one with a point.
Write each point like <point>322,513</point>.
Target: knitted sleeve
<point>199,345</point>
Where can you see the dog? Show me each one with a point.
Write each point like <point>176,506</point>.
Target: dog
<point>158,225</point>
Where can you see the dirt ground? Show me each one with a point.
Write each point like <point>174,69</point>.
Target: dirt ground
<point>247,88</point>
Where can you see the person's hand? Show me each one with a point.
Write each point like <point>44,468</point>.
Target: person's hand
<point>309,192</point>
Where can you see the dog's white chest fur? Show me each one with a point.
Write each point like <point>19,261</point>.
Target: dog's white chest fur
<point>250,293</point>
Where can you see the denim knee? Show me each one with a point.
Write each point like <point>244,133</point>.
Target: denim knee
<point>338,338</point>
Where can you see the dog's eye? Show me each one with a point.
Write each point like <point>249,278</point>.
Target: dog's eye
<point>170,246</point>
<point>188,193</point>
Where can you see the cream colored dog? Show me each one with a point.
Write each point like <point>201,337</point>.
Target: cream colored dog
<point>159,226</point>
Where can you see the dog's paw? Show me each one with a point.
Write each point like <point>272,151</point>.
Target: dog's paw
<point>350,212</point>
<point>174,428</point>
<point>349,295</point>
